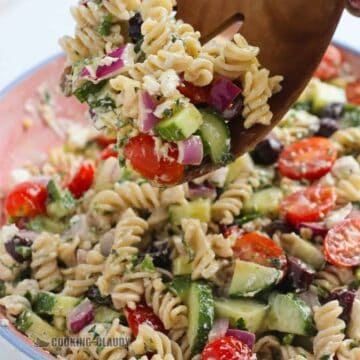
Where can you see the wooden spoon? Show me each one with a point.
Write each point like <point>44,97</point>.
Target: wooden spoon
<point>292,35</point>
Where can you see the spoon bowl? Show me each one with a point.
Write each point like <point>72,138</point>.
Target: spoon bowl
<point>292,37</point>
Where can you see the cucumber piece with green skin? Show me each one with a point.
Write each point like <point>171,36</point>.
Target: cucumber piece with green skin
<point>324,94</point>
<point>44,223</point>
<point>54,304</point>
<point>180,125</point>
<point>289,314</point>
<point>198,209</point>
<point>104,314</point>
<point>61,202</point>
<point>181,266</point>
<point>265,202</point>
<point>250,278</point>
<point>36,328</point>
<point>201,316</point>
<point>242,165</point>
<point>252,312</point>
<point>304,250</point>
<point>180,286</point>
<point>215,135</point>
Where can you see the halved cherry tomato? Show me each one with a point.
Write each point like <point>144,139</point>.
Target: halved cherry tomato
<point>140,151</point>
<point>226,348</point>
<point>108,152</point>
<point>309,159</point>
<point>259,249</point>
<point>143,314</point>
<point>330,64</point>
<point>196,94</point>
<point>27,199</point>
<point>353,92</point>
<point>342,243</point>
<point>82,180</point>
<point>310,204</point>
<point>104,141</point>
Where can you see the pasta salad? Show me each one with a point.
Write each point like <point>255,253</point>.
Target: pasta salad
<point>146,76</point>
<point>259,259</point>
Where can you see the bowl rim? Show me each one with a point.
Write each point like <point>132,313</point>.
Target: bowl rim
<point>7,331</point>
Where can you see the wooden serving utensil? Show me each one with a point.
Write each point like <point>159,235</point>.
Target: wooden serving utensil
<point>292,36</point>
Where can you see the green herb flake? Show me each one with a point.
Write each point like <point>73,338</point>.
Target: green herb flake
<point>138,46</point>
<point>2,289</point>
<point>241,324</point>
<point>288,339</point>
<point>24,251</point>
<point>104,28</point>
<point>147,264</point>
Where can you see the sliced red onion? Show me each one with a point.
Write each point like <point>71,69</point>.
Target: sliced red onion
<point>219,329</point>
<point>246,337</point>
<point>80,316</point>
<point>191,151</point>
<point>106,242</point>
<point>309,298</point>
<point>116,63</point>
<point>317,228</point>
<point>147,106</point>
<point>223,93</point>
<point>205,190</point>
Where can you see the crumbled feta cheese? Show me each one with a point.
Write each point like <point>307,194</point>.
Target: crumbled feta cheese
<point>7,232</point>
<point>345,166</point>
<point>151,85</point>
<point>169,81</point>
<point>20,175</point>
<point>78,136</point>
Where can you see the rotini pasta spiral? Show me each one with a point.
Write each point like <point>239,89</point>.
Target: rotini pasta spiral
<point>267,346</point>
<point>157,342</point>
<point>289,352</point>
<point>204,264</point>
<point>333,277</point>
<point>150,8</point>
<point>347,140</point>
<point>200,72</point>
<point>44,261</point>
<point>330,329</point>
<point>232,58</point>
<point>353,330</point>
<point>14,305</point>
<point>346,351</point>
<point>121,9</point>
<point>168,307</point>
<point>231,200</point>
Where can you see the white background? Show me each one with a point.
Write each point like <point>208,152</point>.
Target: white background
<point>29,30</point>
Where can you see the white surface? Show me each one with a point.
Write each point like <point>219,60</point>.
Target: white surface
<point>29,30</point>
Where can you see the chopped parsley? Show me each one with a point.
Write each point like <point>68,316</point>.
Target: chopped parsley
<point>241,324</point>
<point>105,26</point>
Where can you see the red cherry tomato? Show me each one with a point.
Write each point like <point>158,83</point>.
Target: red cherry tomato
<point>196,94</point>
<point>108,152</point>
<point>27,199</point>
<point>226,348</point>
<point>260,249</point>
<point>353,92</point>
<point>82,180</point>
<point>143,315</point>
<point>140,151</point>
<point>342,243</point>
<point>309,159</point>
<point>310,204</point>
<point>104,141</point>
<point>330,64</point>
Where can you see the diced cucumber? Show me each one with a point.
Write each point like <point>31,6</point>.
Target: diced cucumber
<point>250,278</point>
<point>61,202</point>
<point>201,316</point>
<point>44,223</point>
<point>180,286</point>
<point>181,265</point>
<point>265,202</point>
<point>215,135</point>
<point>252,312</point>
<point>350,116</point>
<point>305,251</point>
<point>324,94</point>
<point>104,314</point>
<point>242,165</point>
<point>36,328</point>
<point>54,304</point>
<point>289,314</point>
<point>198,209</point>
<point>180,125</point>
